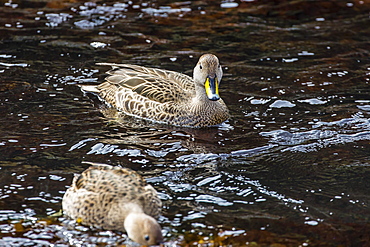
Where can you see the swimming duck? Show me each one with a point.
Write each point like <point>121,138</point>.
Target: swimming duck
<point>166,96</point>
<point>115,198</point>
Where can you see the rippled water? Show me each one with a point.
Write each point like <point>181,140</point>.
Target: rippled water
<point>290,167</point>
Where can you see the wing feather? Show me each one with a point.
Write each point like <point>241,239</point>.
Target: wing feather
<point>155,84</point>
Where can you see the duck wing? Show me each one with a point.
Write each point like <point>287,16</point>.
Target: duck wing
<point>155,84</point>
<point>124,185</point>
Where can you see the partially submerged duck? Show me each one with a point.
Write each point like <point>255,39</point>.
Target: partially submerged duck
<point>115,198</point>
<point>165,96</point>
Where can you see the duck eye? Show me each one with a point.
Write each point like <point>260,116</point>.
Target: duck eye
<point>200,66</point>
<point>146,238</point>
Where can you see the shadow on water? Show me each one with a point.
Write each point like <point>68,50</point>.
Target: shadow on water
<point>290,168</point>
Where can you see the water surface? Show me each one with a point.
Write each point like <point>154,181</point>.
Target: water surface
<point>290,167</point>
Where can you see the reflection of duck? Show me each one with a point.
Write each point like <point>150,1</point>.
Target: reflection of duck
<point>166,96</point>
<point>115,198</point>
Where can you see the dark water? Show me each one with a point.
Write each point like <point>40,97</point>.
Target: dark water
<point>290,168</point>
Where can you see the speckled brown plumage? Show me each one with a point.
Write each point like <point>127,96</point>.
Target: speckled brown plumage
<point>106,196</point>
<point>166,96</point>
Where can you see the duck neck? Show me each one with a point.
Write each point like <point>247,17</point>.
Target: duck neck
<point>202,105</point>
<point>130,220</point>
<point>200,94</point>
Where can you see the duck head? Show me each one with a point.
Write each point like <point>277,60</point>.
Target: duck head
<point>143,229</point>
<point>208,74</point>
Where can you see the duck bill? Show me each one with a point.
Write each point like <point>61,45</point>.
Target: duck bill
<point>211,86</point>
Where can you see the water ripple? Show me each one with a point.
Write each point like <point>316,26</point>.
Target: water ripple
<point>338,139</point>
